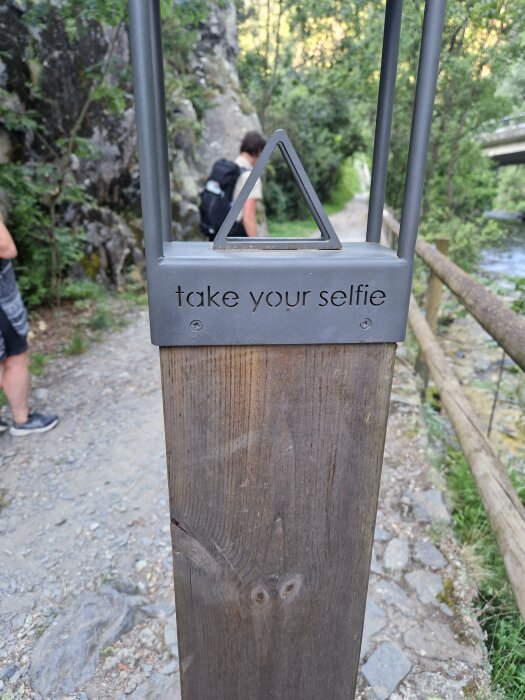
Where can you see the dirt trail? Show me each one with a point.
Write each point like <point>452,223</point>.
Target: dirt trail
<point>85,531</point>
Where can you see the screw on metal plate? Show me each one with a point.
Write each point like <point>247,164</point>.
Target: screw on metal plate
<point>196,326</point>
<point>366,324</point>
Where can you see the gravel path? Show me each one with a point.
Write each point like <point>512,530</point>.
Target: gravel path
<point>86,602</point>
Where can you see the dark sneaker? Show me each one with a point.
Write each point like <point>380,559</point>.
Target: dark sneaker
<point>3,426</point>
<point>36,423</point>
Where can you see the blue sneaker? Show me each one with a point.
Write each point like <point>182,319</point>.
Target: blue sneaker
<point>35,423</point>
<point>3,426</point>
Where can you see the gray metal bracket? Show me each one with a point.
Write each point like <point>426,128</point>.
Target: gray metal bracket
<point>328,239</point>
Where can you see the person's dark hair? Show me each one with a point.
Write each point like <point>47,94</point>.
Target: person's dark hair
<point>253,143</point>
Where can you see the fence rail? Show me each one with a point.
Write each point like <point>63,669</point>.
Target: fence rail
<point>504,509</point>
<point>503,123</point>
<point>504,325</point>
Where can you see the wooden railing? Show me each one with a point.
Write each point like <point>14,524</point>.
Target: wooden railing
<point>504,509</point>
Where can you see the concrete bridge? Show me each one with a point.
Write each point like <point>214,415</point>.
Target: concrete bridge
<point>504,140</point>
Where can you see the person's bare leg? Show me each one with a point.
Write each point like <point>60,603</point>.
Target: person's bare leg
<point>15,383</point>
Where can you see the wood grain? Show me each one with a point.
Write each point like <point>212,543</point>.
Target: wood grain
<point>274,461</point>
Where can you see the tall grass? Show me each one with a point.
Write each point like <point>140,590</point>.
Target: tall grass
<point>497,610</point>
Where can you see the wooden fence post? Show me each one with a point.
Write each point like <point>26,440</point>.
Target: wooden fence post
<point>277,360</point>
<point>274,462</point>
<point>432,303</point>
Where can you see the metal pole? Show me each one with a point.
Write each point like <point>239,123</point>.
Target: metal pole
<point>385,107</point>
<point>421,121</point>
<point>144,25</point>
<point>160,117</point>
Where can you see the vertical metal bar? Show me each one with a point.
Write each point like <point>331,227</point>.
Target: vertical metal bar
<point>385,107</point>
<point>421,121</point>
<point>160,117</point>
<point>144,25</point>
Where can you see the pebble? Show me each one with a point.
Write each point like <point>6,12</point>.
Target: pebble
<point>381,535</point>
<point>392,594</point>
<point>428,506</point>
<point>426,584</point>
<point>430,556</point>
<point>170,668</point>
<point>385,669</point>
<point>375,566</point>
<point>375,620</point>
<point>170,636</point>
<point>436,640</point>
<point>396,554</point>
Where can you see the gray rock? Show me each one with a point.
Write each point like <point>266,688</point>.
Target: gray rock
<point>171,667</point>
<point>170,636</point>
<point>430,556</point>
<point>396,554</point>
<point>7,672</point>
<point>148,639</point>
<point>436,685</point>
<point>42,394</point>
<point>158,687</point>
<point>15,604</point>
<point>392,594</point>
<point>426,584</point>
<point>381,535</point>
<point>125,586</point>
<point>385,669</point>
<point>375,620</point>
<point>429,506</point>
<point>436,640</point>
<point>160,610</point>
<point>375,566</point>
<point>67,653</point>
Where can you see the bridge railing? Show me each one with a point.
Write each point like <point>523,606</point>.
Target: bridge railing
<point>504,123</point>
<point>504,509</point>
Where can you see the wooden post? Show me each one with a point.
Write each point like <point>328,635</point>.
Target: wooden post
<point>433,301</point>
<point>274,458</point>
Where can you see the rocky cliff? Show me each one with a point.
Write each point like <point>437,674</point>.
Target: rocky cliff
<point>66,104</point>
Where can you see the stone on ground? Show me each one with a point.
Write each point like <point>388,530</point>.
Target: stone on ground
<point>385,669</point>
<point>68,652</point>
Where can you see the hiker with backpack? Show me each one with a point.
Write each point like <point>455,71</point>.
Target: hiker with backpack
<point>223,186</point>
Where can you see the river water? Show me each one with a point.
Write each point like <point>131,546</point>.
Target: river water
<point>509,259</point>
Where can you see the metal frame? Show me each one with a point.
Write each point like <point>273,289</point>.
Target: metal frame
<point>240,265</point>
<point>328,239</point>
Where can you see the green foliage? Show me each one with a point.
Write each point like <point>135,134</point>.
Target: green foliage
<point>519,304</point>
<point>101,320</point>
<point>312,68</point>
<point>511,188</point>
<point>497,611</point>
<point>38,363</point>
<point>80,290</point>
<point>45,249</point>
<point>347,187</point>
<point>77,344</point>
<point>467,236</point>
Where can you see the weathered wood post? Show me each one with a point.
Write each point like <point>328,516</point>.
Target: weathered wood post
<point>432,304</point>
<point>277,361</point>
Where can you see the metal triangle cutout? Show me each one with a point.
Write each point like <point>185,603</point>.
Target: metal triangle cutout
<point>328,239</point>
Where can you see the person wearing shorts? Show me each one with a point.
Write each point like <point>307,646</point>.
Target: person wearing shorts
<point>14,355</point>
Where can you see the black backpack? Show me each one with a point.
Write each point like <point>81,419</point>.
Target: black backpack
<point>217,195</point>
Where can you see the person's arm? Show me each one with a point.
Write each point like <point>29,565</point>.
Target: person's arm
<point>249,217</point>
<point>7,244</point>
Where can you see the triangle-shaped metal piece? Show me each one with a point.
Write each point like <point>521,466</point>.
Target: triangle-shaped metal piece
<point>328,239</point>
